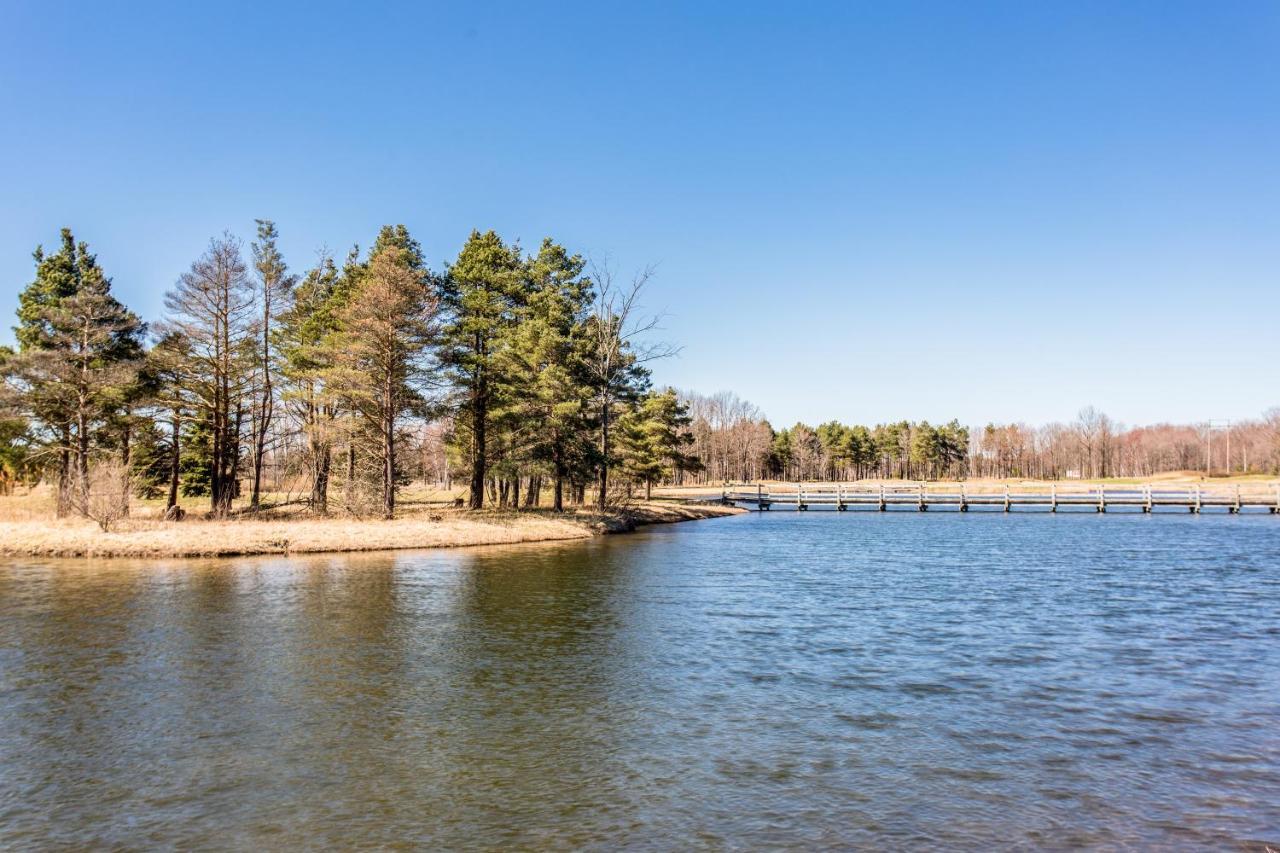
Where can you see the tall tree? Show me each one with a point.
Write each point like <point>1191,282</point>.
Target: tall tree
<point>547,366</point>
<point>616,356</point>
<point>481,293</point>
<point>80,356</point>
<point>58,276</point>
<point>274,287</point>
<point>384,362</point>
<point>212,309</point>
<point>308,356</point>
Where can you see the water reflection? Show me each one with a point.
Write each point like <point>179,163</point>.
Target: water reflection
<point>756,681</point>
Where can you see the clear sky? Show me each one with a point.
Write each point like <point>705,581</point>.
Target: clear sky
<point>863,211</point>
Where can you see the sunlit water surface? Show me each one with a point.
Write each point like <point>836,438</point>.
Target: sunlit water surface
<point>770,680</point>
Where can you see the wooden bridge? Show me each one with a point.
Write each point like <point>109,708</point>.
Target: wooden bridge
<point>922,497</point>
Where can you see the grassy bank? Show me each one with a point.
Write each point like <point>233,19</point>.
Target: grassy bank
<point>152,537</point>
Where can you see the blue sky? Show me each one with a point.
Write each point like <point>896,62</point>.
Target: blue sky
<point>990,211</point>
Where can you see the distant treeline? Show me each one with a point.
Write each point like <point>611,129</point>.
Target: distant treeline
<point>519,373</point>
<point>736,443</point>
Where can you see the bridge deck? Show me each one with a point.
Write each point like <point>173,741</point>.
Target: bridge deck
<point>923,497</point>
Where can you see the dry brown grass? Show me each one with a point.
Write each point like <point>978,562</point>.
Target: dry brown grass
<point>27,529</point>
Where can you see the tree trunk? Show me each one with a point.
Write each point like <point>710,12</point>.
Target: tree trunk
<point>231,479</point>
<point>322,458</point>
<point>603,499</point>
<point>351,473</point>
<point>388,467</point>
<point>175,462</point>
<point>64,474</point>
<point>268,405</point>
<point>479,415</point>
<point>82,461</point>
<point>126,454</point>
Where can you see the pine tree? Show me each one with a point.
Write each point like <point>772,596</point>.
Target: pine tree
<point>79,360</point>
<point>307,331</point>
<point>383,359</point>
<point>655,439</point>
<point>274,288</point>
<point>547,370</point>
<point>481,295</point>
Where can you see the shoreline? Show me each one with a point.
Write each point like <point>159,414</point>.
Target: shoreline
<point>154,539</point>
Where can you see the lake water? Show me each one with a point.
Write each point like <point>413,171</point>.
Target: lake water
<point>762,681</point>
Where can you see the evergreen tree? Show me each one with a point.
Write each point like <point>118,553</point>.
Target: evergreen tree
<point>481,294</point>
<point>655,440</point>
<point>79,360</point>
<point>383,358</point>
<point>308,347</point>
<point>545,362</point>
<point>274,288</point>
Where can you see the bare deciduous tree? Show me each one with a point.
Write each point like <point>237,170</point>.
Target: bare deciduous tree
<point>212,308</point>
<point>618,352</point>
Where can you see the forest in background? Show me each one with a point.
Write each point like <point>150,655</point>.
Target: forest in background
<point>736,443</point>
<point>522,376</point>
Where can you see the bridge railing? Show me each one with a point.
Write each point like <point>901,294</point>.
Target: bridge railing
<point>1260,493</point>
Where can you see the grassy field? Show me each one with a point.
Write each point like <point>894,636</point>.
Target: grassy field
<point>28,528</point>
